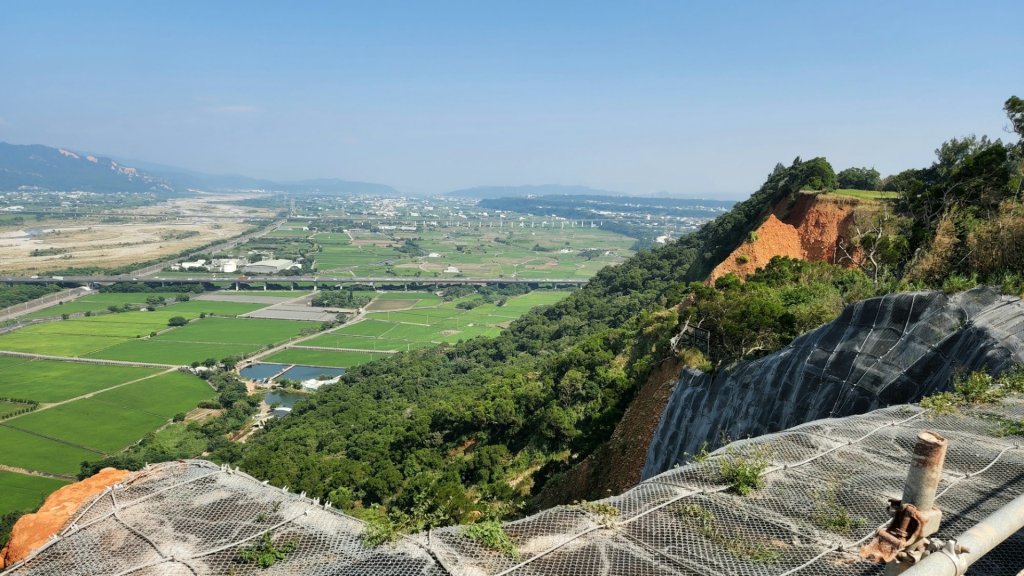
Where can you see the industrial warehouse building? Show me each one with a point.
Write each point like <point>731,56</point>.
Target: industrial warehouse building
<point>268,266</point>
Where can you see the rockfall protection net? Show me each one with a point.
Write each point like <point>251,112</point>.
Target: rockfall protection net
<point>880,352</point>
<point>826,490</point>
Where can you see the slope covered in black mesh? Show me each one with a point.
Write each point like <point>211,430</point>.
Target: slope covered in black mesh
<point>882,351</point>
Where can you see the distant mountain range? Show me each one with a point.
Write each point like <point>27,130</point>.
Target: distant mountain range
<point>37,167</point>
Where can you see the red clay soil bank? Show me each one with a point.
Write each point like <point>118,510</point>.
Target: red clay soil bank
<point>809,231</point>
<point>33,530</point>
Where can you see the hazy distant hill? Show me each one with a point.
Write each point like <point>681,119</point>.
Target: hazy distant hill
<point>482,192</point>
<point>334,186</point>
<point>185,179</point>
<point>29,167</point>
<point>57,169</point>
<point>588,206</point>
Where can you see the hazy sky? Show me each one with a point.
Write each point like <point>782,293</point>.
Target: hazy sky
<point>691,98</point>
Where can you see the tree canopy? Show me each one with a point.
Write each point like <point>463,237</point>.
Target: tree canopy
<point>860,179</point>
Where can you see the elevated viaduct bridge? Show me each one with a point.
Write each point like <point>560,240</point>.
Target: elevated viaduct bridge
<point>316,280</point>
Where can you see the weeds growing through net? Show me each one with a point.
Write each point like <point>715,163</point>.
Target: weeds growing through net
<point>490,534</point>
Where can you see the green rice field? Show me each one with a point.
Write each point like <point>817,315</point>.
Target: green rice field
<point>33,452</point>
<point>56,440</point>
<point>113,419</point>
<point>47,381</point>
<point>333,359</point>
<point>169,352</point>
<point>22,493</point>
<point>489,252</point>
<point>236,331</point>
<point>99,302</point>
<point>412,328</point>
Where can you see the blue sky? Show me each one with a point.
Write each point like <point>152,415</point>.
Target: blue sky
<point>689,98</point>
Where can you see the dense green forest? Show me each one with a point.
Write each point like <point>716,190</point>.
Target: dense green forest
<point>469,431</point>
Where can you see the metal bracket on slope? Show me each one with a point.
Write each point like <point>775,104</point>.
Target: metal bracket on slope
<point>904,540</point>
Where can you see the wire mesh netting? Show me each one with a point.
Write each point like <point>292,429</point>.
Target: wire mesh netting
<point>882,351</point>
<point>826,487</point>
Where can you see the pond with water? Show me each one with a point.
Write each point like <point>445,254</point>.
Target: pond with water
<point>283,398</point>
<point>261,371</point>
<point>300,373</point>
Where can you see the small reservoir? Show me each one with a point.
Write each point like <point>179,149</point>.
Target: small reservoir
<point>283,398</point>
<point>300,373</point>
<point>261,371</point>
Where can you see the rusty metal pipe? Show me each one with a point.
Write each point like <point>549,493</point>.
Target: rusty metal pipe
<point>915,516</point>
<point>925,471</point>
<point>977,541</point>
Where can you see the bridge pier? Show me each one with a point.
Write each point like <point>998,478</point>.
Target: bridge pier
<point>236,285</point>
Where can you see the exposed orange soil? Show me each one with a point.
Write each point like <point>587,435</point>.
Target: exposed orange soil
<point>810,230</point>
<point>33,530</point>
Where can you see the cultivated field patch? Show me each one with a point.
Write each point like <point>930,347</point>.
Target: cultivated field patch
<point>48,381</point>
<point>34,452</point>
<point>49,343</point>
<point>99,302</point>
<point>253,331</point>
<point>334,359</point>
<point>157,351</point>
<point>23,493</point>
<point>390,304</point>
<point>409,329</point>
<point>113,419</point>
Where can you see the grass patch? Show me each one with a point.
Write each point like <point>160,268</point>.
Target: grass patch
<point>369,327</point>
<point>975,388</point>
<point>606,513</point>
<point>11,407</point>
<point>265,553</point>
<point>865,194</point>
<point>490,534</point>
<point>744,473</point>
<point>707,525</point>
<point>830,514</point>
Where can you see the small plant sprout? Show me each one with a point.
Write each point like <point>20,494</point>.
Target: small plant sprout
<point>490,534</point>
<point>744,473</point>
<point>606,513</point>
